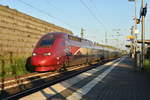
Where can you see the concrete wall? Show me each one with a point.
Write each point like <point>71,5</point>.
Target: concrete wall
<point>20,32</point>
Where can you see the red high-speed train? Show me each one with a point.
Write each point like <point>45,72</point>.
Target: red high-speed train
<point>56,50</point>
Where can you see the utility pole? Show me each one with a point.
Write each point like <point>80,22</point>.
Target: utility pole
<point>105,37</point>
<point>142,16</point>
<point>134,30</point>
<point>132,43</point>
<point>82,32</point>
<point>135,27</point>
<point>142,36</point>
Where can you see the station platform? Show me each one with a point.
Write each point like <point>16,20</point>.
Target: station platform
<point>115,80</point>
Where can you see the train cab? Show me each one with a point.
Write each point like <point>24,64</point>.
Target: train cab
<point>49,52</point>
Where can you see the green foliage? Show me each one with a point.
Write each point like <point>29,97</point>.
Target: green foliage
<point>147,67</point>
<point>148,53</point>
<point>13,68</point>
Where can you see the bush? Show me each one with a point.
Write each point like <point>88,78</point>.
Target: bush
<point>147,66</point>
<point>147,56</point>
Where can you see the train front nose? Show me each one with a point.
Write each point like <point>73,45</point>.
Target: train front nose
<point>44,63</point>
<point>43,60</point>
<point>39,61</point>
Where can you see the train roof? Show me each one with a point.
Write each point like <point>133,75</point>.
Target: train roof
<point>79,39</point>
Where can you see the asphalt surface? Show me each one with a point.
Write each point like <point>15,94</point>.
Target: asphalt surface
<point>122,83</point>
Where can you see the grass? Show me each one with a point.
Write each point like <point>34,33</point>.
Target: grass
<point>147,66</point>
<point>16,67</point>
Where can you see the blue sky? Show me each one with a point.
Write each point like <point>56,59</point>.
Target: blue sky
<point>97,17</point>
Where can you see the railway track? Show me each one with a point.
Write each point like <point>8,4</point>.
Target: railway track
<point>21,85</point>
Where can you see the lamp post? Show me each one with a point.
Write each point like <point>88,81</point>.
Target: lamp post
<point>134,29</point>
<point>142,35</point>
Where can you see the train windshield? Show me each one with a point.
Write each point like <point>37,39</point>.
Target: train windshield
<point>46,42</point>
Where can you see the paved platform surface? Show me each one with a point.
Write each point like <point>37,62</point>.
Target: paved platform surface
<point>116,80</point>
<point>122,83</point>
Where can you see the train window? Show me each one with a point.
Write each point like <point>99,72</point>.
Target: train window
<point>46,42</point>
<point>74,38</point>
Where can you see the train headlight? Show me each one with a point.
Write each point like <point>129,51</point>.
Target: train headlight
<point>47,54</point>
<point>33,54</point>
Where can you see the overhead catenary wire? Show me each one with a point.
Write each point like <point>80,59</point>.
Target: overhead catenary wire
<point>45,13</point>
<point>100,16</point>
<point>108,25</point>
<point>60,10</point>
<point>92,13</point>
<point>49,3</point>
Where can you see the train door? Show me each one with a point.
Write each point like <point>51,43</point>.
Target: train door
<point>68,53</point>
